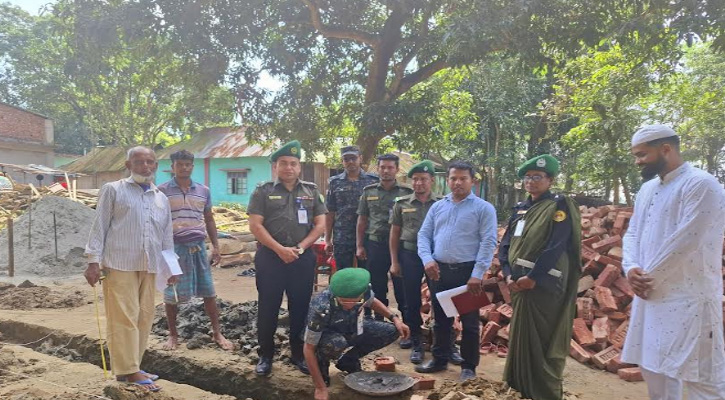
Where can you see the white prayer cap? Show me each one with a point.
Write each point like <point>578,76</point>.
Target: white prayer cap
<point>649,133</point>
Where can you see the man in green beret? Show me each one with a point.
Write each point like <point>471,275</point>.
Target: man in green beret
<point>540,258</point>
<point>408,214</point>
<point>336,322</point>
<point>286,216</point>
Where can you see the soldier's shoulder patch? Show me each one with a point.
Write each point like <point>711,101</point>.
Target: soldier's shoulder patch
<point>307,183</point>
<point>371,186</point>
<point>322,198</point>
<point>559,216</point>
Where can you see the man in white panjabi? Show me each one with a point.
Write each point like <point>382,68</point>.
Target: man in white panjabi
<point>672,258</point>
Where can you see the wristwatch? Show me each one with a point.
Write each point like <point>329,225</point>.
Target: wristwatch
<point>300,249</point>
<point>393,316</point>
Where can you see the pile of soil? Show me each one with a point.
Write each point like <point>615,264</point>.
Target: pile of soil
<point>73,224</point>
<point>479,389</point>
<point>238,323</point>
<point>27,295</point>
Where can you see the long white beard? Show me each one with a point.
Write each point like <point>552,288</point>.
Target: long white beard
<point>138,178</point>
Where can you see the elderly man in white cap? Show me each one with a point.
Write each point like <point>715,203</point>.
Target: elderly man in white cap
<point>672,258</point>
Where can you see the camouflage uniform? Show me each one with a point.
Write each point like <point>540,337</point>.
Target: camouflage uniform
<point>343,197</point>
<point>333,329</point>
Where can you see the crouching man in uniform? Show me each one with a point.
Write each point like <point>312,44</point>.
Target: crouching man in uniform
<point>336,322</point>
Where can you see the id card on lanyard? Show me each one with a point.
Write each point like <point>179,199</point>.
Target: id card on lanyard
<point>301,213</point>
<point>519,230</point>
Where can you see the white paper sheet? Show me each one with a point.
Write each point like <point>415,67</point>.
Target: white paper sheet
<point>169,267</point>
<point>445,298</point>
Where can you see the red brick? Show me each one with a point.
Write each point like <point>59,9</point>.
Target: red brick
<point>590,241</point>
<point>600,329</point>
<point>489,332</point>
<point>485,310</point>
<point>623,285</point>
<point>605,260</point>
<point>604,297</point>
<point>385,364</point>
<point>608,243</point>
<point>505,292</point>
<point>620,221</point>
<point>506,311</point>
<point>587,215</point>
<point>585,282</point>
<point>588,254</point>
<point>494,316</point>
<point>607,277</point>
<point>582,334</point>
<point>503,333</point>
<point>620,297</point>
<point>602,358</point>
<point>21,125</point>
<point>597,231</point>
<point>616,252</point>
<point>618,336</point>
<point>631,374</point>
<point>584,309</point>
<point>591,268</point>
<point>586,223</point>
<point>424,383</point>
<point>578,353</point>
<point>616,364</point>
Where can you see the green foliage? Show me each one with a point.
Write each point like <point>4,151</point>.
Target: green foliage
<point>233,206</point>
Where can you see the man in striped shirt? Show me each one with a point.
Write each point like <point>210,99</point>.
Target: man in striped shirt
<point>193,220</point>
<point>131,229</point>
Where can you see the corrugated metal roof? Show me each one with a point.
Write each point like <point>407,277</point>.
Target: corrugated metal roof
<point>100,159</point>
<point>220,143</point>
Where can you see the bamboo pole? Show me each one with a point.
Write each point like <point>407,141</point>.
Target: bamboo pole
<point>11,250</point>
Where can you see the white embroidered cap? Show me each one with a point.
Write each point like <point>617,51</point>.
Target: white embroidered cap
<point>649,133</point>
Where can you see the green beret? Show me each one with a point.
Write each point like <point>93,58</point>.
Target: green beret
<point>423,166</point>
<point>292,149</point>
<point>544,162</point>
<point>350,282</point>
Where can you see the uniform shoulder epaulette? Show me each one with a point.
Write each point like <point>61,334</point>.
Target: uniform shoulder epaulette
<point>406,188</point>
<point>307,183</point>
<point>335,177</point>
<point>370,186</point>
<point>260,184</point>
<point>406,197</point>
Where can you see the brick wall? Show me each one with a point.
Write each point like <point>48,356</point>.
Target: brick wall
<point>22,126</point>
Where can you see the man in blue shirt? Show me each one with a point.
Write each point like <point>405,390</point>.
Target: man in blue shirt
<point>456,244</point>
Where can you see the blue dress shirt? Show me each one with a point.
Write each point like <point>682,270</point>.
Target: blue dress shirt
<point>459,232</point>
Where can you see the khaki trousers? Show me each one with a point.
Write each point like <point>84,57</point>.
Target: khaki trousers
<point>129,302</point>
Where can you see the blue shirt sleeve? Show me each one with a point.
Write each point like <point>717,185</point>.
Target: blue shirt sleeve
<point>488,236</point>
<point>425,236</point>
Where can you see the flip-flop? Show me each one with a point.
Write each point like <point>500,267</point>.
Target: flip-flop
<point>147,384</point>
<point>153,377</point>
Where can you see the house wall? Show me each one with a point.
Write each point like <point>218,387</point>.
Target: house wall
<point>25,138</point>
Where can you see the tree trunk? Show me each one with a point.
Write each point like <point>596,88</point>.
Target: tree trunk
<point>627,193</point>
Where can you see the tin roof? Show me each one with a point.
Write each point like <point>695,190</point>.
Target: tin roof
<point>225,142</point>
<point>100,159</point>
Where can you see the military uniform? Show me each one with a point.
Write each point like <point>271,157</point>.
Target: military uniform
<point>333,329</point>
<point>288,217</point>
<point>343,197</point>
<point>409,213</point>
<point>376,203</point>
<point>542,242</point>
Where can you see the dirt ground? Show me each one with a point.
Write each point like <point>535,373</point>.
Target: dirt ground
<point>581,381</point>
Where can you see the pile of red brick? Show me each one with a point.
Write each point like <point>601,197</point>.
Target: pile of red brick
<point>603,303</point>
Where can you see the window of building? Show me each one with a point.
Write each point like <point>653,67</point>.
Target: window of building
<point>236,182</point>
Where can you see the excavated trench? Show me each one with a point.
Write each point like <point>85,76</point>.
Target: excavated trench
<point>230,378</point>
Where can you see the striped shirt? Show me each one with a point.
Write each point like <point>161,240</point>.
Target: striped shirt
<point>131,228</point>
<point>187,210</point>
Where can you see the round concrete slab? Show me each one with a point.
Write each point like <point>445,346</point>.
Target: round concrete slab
<point>379,384</point>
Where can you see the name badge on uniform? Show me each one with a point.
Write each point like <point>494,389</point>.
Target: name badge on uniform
<point>519,228</point>
<point>302,216</point>
<point>275,197</point>
<point>360,319</point>
<point>370,198</point>
<point>407,210</point>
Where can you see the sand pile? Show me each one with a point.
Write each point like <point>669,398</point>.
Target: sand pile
<point>73,224</point>
<point>479,389</point>
<point>27,295</point>
<point>238,322</point>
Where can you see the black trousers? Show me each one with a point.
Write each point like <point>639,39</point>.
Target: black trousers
<point>344,256</point>
<point>413,272</point>
<point>378,264</point>
<point>275,278</point>
<point>452,277</point>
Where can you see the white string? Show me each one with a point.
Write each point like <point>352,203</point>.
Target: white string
<point>55,384</point>
<point>43,338</point>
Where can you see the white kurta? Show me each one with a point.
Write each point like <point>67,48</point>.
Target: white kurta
<point>676,237</point>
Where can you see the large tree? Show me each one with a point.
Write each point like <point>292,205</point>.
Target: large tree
<point>343,61</point>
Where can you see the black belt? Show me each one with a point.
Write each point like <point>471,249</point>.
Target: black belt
<point>378,238</point>
<point>456,265</point>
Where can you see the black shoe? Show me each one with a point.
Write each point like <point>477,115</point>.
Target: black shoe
<point>467,374</point>
<point>348,364</point>
<point>417,354</point>
<point>455,357</point>
<point>264,366</point>
<point>301,365</point>
<point>431,366</point>
<point>406,343</point>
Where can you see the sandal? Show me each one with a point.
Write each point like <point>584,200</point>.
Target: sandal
<point>487,348</point>
<point>152,377</point>
<point>147,384</point>
<point>502,351</point>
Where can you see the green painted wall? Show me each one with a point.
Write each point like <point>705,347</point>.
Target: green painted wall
<point>259,170</point>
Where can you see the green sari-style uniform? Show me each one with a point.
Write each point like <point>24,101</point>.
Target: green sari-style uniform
<point>546,249</point>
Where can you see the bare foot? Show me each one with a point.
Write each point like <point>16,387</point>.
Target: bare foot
<point>223,342</point>
<point>171,344</point>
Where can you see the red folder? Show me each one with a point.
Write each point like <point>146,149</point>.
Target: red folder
<point>466,302</point>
